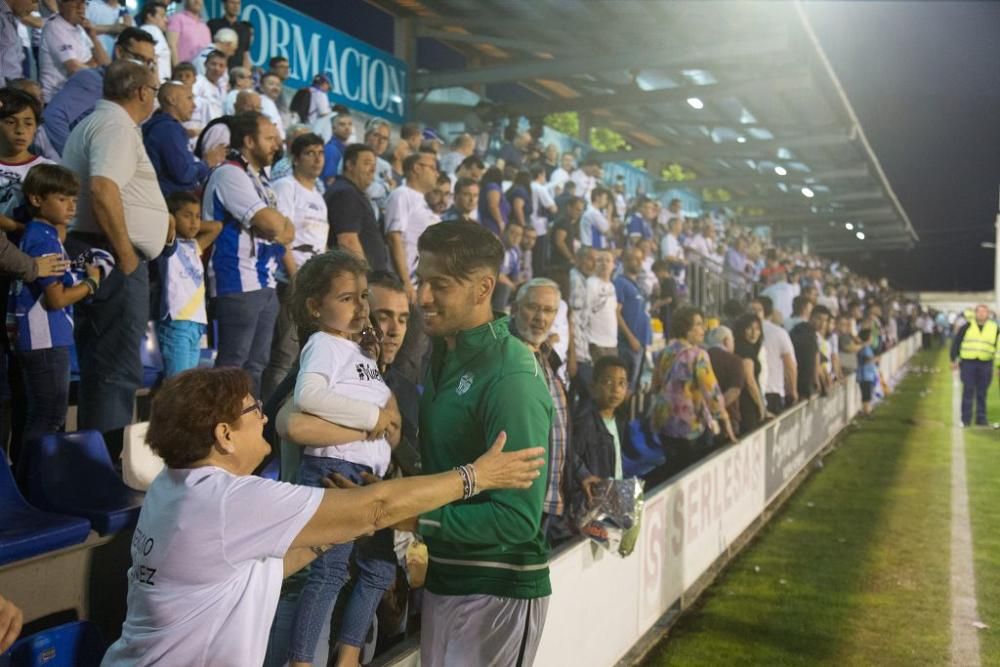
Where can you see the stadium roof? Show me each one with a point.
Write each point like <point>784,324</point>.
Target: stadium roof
<point>740,93</point>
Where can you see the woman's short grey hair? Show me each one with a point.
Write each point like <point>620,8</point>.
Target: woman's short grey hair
<point>537,283</point>
<point>236,73</point>
<point>375,123</point>
<point>123,78</point>
<point>717,336</point>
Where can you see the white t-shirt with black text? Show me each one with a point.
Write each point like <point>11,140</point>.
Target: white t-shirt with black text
<point>207,566</point>
<point>307,210</point>
<point>407,212</point>
<point>348,371</point>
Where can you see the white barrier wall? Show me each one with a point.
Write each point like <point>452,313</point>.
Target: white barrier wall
<point>602,604</point>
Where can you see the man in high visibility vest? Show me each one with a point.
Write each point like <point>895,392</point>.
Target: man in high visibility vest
<point>975,346</point>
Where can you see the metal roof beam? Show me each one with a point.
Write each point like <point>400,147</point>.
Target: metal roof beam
<point>471,38</point>
<point>863,215</point>
<point>754,177</point>
<point>752,150</point>
<point>639,98</point>
<point>795,200</point>
<point>592,64</point>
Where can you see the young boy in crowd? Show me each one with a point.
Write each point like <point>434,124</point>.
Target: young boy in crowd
<point>42,309</point>
<point>597,431</point>
<point>867,370</point>
<point>182,317</point>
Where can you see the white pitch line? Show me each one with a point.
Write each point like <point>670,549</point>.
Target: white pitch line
<point>964,637</point>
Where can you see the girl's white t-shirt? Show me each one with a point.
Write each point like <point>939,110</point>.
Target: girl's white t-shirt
<point>349,373</point>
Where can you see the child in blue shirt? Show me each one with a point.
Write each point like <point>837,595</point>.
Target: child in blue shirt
<point>867,370</point>
<point>42,309</point>
<point>182,318</point>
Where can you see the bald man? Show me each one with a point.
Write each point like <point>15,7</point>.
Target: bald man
<point>216,135</point>
<point>167,142</point>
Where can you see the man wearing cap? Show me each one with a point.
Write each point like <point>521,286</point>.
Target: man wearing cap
<point>974,351</point>
<point>343,127</point>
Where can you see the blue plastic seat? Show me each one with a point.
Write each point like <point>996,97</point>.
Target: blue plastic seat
<point>71,473</point>
<point>76,644</point>
<point>26,531</point>
<point>641,451</point>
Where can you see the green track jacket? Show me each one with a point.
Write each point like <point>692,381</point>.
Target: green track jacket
<point>491,544</point>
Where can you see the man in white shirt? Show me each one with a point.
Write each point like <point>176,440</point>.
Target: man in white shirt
<point>563,173</point>
<point>781,294</point>
<point>11,49</point>
<point>210,91</point>
<point>587,177</point>
<point>153,19</point>
<point>594,225</point>
<point>462,147</point>
<point>407,215</point>
<point>672,252</point>
<point>301,202</point>
<point>69,44</point>
<point>542,203</point>
<point>320,114</point>
<point>780,382</point>
<point>602,309</point>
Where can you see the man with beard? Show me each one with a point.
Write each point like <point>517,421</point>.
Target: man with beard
<point>535,311</point>
<point>487,583</point>
<point>244,262</point>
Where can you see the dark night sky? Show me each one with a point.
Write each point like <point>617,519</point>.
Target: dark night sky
<point>924,80</point>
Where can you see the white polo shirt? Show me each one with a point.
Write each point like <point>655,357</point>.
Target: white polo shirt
<point>407,212</point>
<point>777,343</point>
<point>61,41</point>
<point>108,143</point>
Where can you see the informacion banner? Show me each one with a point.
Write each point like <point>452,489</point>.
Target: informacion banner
<point>362,77</point>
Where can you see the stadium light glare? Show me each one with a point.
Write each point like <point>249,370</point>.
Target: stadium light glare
<point>695,103</point>
<point>741,140</point>
<point>848,226</point>
<point>808,193</point>
<point>861,236</point>
<point>780,171</point>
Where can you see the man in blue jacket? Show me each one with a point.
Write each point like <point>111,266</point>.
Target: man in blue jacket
<point>167,143</point>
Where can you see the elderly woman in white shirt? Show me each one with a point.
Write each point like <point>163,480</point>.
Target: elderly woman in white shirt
<point>213,541</point>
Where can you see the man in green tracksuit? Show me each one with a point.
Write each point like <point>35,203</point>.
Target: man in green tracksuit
<point>488,579</point>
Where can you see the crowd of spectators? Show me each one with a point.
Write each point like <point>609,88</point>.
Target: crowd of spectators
<point>149,173</point>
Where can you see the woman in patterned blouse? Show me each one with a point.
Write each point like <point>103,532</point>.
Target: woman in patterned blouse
<point>688,407</point>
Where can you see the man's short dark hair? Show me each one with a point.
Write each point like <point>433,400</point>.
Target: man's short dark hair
<point>352,152</point>
<point>766,303</point>
<point>130,34</point>
<point>410,161</point>
<point>215,53</point>
<point>275,60</point>
<point>569,186</point>
<point>536,171</point>
<point>799,305</point>
<point>865,335</point>
<point>464,182</point>
<point>180,68</point>
<point>443,178</point>
<point>604,364</point>
<point>409,130</point>
<point>50,179</point>
<point>597,192</point>
<point>243,125</point>
<point>820,310</point>
<point>385,280</point>
<point>471,162</point>
<point>304,141</point>
<point>148,11</point>
<point>591,161</point>
<point>178,200</point>
<point>462,247</point>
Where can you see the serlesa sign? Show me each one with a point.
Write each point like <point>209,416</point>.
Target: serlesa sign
<point>361,77</point>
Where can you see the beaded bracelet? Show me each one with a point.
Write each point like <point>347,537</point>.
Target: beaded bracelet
<point>468,488</point>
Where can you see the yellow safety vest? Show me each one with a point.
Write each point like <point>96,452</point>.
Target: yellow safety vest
<point>980,343</point>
